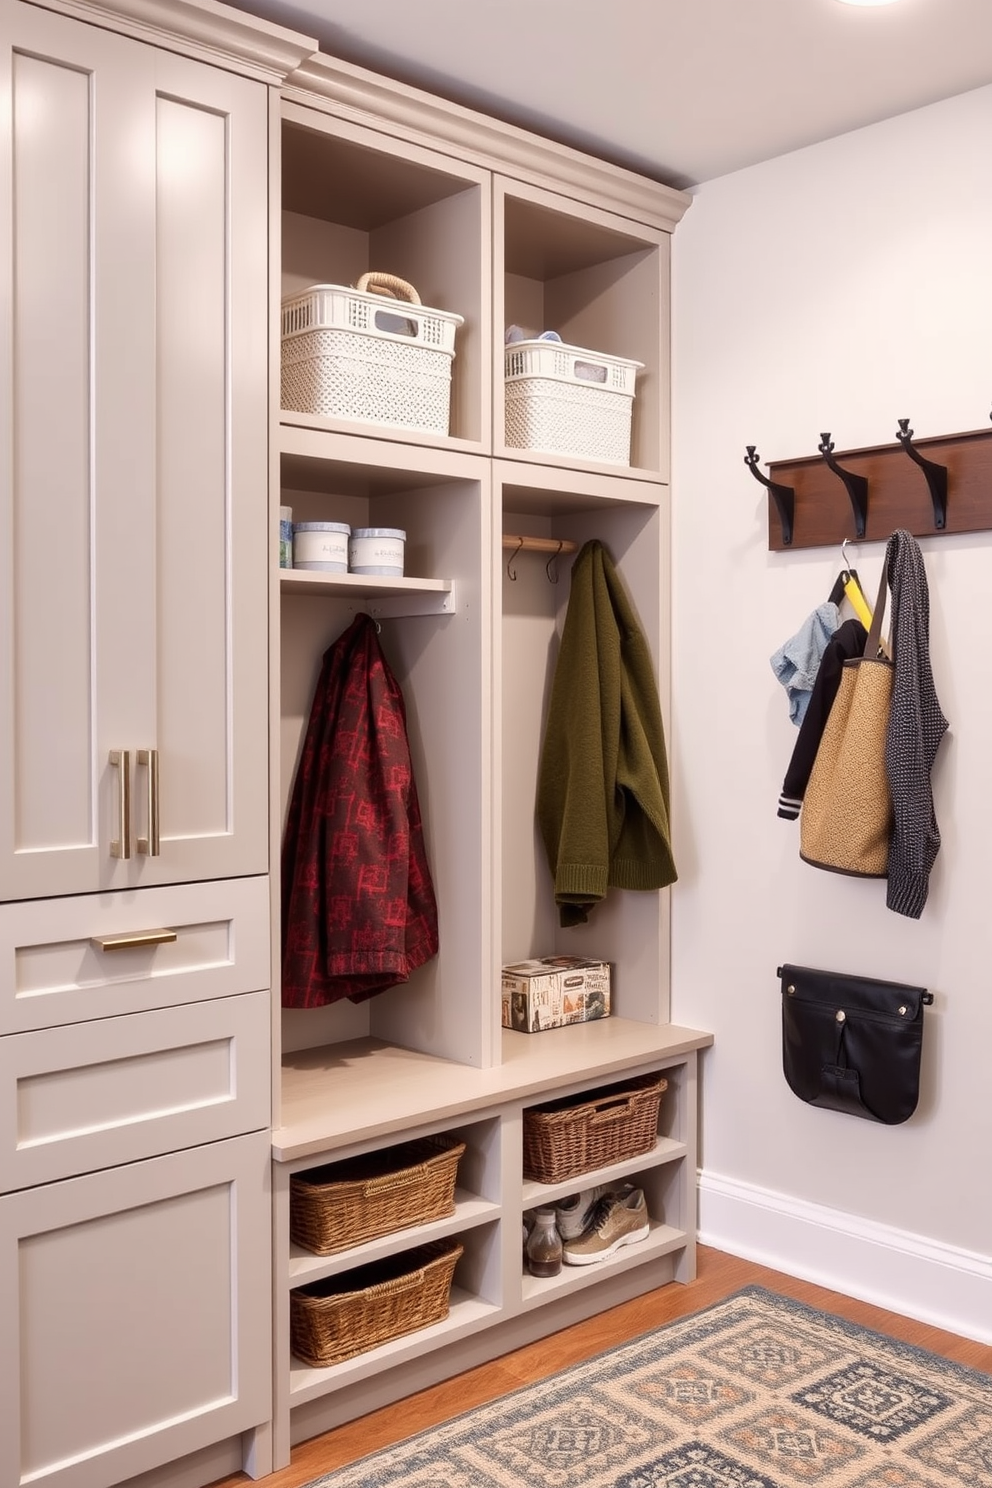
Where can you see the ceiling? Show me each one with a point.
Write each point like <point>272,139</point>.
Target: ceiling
<point>680,90</point>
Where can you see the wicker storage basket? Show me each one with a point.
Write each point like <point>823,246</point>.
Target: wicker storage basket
<point>565,400</point>
<point>346,1203</point>
<point>565,1138</point>
<point>341,1316</point>
<point>357,354</point>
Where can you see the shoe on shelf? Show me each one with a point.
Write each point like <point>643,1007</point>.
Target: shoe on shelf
<point>574,1214</point>
<point>618,1219</point>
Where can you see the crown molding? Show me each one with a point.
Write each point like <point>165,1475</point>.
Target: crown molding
<point>363,97</point>
<point>205,29</point>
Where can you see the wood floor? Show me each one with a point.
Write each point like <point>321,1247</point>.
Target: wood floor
<point>718,1276</point>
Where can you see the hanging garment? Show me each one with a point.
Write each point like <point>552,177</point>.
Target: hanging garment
<point>797,660</point>
<point>916,727</point>
<point>603,791</point>
<point>359,913</point>
<point>848,642</point>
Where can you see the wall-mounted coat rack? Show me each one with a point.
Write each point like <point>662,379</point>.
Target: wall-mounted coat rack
<point>950,490</point>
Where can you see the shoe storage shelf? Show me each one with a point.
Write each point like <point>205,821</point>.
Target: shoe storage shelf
<point>365,1096</point>
<point>498,227</point>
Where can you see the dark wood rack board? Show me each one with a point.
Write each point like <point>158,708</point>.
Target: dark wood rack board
<point>898,494</point>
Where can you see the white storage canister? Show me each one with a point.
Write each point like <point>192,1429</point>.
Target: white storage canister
<point>321,546</point>
<point>377,550</point>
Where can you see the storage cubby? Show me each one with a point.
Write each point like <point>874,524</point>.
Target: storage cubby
<point>433,640</point>
<point>354,201</point>
<point>600,282</point>
<point>627,929</point>
<point>496,226</point>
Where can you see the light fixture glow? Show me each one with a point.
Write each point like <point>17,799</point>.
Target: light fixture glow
<point>867,2</point>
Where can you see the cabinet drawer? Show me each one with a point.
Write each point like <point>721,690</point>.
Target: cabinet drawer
<point>109,1092</point>
<point>55,968</point>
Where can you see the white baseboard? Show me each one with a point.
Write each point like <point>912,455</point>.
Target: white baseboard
<point>923,1279</point>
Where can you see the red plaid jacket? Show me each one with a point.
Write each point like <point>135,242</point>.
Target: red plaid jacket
<point>359,913</point>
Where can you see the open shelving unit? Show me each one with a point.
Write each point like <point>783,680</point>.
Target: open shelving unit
<point>477,216</point>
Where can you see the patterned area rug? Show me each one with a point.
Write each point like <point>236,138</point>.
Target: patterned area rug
<point>756,1392</point>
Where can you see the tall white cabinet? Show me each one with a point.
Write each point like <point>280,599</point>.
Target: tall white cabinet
<point>134,969</point>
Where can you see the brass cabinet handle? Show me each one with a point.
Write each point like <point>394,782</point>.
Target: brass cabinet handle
<point>130,940</point>
<point>121,845</point>
<point>150,844</point>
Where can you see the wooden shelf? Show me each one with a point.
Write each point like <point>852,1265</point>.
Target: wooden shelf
<point>664,1151</point>
<point>470,1211</point>
<point>337,1095</point>
<point>347,585</point>
<point>663,1240</point>
<point>467,1313</point>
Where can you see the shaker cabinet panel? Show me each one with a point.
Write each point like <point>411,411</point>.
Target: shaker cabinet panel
<point>132,482</point>
<point>99,955</point>
<point>121,1089</point>
<point>136,1307</point>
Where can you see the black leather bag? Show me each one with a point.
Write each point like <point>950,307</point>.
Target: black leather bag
<point>852,1043</point>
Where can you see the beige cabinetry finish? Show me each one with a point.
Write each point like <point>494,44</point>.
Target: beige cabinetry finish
<point>132,1329</point>
<point>135,1013</point>
<point>132,484</point>
<point>501,227</point>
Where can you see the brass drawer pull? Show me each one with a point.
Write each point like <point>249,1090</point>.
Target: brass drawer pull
<point>130,940</point>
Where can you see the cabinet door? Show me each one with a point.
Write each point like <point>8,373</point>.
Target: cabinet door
<point>132,482</point>
<point>136,1315</point>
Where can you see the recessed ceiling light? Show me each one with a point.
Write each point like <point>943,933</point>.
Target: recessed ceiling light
<point>867,2</point>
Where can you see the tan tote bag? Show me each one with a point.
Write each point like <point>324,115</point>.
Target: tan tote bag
<point>846,821</point>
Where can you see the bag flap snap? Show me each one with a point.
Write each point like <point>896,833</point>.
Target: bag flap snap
<point>853,995</point>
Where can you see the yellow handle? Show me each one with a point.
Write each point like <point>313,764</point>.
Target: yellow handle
<point>860,605</point>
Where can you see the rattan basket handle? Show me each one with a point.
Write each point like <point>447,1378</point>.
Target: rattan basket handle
<point>612,1112</point>
<point>373,283</point>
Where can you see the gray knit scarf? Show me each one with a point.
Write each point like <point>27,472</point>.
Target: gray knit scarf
<point>916,727</point>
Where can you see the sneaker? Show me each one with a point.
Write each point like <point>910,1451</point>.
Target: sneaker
<point>574,1214</point>
<point>618,1219</point>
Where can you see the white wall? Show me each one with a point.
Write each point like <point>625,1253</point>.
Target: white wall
<point>836,289</point>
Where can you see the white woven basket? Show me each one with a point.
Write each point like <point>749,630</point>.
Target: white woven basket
<point>565,400</point>
<point>354,354</point>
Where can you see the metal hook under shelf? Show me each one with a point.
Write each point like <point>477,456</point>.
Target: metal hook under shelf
<point>553,545</point>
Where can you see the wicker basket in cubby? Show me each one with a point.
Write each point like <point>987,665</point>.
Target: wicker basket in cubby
<point>592,1130</point>
<point>346,1203</point>
<point>341,1316</point>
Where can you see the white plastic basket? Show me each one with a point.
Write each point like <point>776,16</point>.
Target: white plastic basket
<point>355,354</point>
<point>565,400</point>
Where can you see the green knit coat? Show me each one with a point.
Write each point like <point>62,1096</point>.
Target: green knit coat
<point>603,792</point>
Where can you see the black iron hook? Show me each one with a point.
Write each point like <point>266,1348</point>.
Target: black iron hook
<point>936,474</point>
<point>857,485</point>
<point>784,496</point>
<point>511,572</point>
<point>552,564</point>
